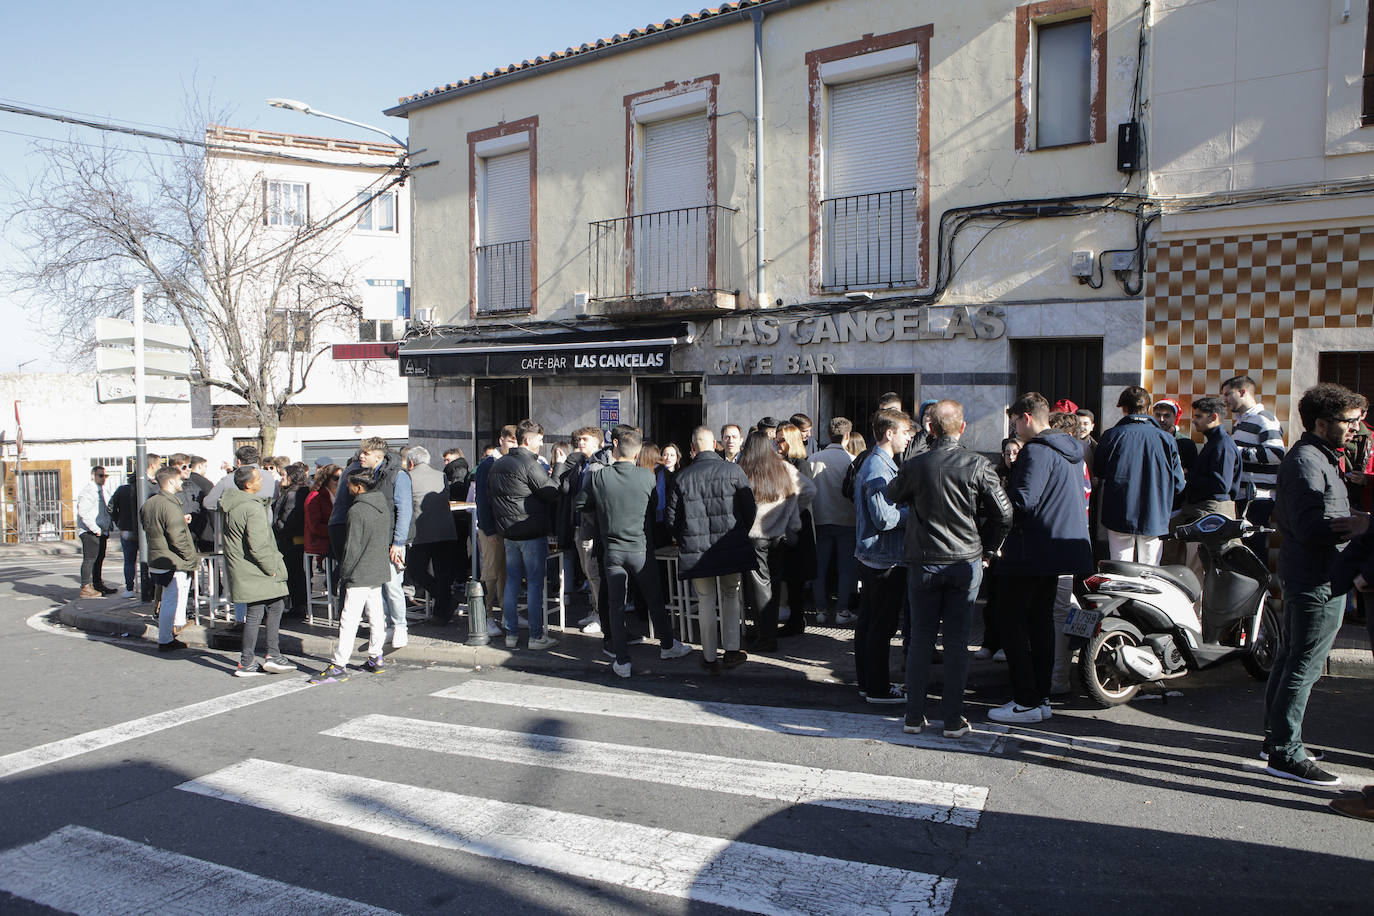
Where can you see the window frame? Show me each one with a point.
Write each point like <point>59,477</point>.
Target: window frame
<point>818,128</point>
<point>267,209</point>
<point>476,179</point>
<point>1029,18</point>
<point>295,336</point>
<point>370,208</point>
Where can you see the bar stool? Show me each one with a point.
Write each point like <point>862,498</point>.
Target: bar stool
<point>328,600</point>
<point>555,562</point>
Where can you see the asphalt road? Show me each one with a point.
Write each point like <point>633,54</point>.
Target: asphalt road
<point>133,782</point>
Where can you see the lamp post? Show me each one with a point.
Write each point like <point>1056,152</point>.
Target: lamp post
<point>303,108</point>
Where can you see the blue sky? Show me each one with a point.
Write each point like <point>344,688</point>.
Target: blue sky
<point>138,62</point>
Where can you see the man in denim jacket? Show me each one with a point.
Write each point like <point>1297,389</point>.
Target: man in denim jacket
<point>881,531</point>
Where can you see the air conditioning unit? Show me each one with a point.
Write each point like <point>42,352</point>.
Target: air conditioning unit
<point>424,315</point>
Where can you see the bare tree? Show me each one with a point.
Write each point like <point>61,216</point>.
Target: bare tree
<point>194,228</point>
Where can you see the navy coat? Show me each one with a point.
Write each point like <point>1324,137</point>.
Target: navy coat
<point>1141,474</point>
<point>1049,529</point>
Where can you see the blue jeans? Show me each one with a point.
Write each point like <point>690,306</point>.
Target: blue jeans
<point>128,542</point>
<point>1311,619</point>
<point>835,541</point>
<point>529,559</point>
<point>394,601</point>
<point>940,594</point>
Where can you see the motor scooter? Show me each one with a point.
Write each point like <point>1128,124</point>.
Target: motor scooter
<point>1138,624</point>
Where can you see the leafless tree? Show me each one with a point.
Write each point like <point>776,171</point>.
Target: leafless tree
<point>192,227</point>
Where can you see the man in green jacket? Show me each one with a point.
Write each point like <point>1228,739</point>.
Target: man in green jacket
<point>171,555</point>
<point>257,573</point>
<point>363,569</point>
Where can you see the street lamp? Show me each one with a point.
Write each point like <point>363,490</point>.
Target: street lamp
<point>303,108</point>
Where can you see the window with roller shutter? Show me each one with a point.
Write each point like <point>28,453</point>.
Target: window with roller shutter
<point>871,226</point>
<point>671,231</point>
<point>503,267</point>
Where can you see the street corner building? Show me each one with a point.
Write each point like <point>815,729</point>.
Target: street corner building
<point>783,205</point>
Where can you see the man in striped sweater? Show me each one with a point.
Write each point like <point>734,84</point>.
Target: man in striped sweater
<point>1259,437</point>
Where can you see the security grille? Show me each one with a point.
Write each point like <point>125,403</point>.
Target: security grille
<point>40,506</point>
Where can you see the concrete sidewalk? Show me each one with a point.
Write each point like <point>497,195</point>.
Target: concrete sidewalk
<point>820,655</point>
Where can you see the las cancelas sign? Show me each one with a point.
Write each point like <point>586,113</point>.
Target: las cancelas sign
<point>858,326</point>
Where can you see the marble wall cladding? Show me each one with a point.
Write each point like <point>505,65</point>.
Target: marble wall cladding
<point>1234,305</point>
<point>562,405</point>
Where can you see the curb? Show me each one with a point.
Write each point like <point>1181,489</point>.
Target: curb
<point>128,619</point>
<point>48,549</point>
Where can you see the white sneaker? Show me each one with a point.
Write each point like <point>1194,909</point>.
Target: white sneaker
<point>494,628</point>
<point>621,670</point>
<point>678,650</point>
<point>544,642</point>
<point>278,666</point>
<point>593,628</point>
<point>512,642</point>
<point>1045,711</point>
<point>127,593</point>
<point>1019,715</point>
<point>588,620</point>
<point>844,618</point>
<point>399,639</point>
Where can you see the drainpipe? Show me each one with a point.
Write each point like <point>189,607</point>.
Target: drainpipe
<point>759,286</point>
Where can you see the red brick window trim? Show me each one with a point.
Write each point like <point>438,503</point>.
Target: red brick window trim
<point>817,118</point>
<point>476,138</point>
<point>1047,12</point>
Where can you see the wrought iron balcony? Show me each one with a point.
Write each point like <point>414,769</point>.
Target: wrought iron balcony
<point>871,240</point>
<point>670,253</point>
<point>503,277</point>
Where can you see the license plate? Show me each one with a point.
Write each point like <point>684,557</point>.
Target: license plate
<point>1082,621</point>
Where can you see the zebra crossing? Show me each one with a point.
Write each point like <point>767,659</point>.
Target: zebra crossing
<point>80,870</point>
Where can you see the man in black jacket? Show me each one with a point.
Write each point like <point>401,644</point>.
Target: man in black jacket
<point>959,515</point>
<point>523,496</point>
<point>1312,512</point>
<point>710,511</point>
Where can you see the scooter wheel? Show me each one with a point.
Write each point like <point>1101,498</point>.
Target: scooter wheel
<point>1097,668</point>
<point>1259,661</point>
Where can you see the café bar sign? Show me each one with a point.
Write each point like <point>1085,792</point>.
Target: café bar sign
<point>607,358</point>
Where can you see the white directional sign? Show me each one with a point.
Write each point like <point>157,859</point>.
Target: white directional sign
<point>174,364</point>
<point>118,332</point>
<point>119,389</point>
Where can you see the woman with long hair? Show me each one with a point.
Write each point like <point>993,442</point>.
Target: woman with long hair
<point>319,505</point>
<point>776,487</point>
<point>992,593</point>
<point>855,444</point>
<point>799,558</point>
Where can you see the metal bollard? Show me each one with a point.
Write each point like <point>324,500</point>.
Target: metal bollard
<point>477,614</point>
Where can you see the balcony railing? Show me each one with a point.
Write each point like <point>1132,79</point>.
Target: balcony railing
<point>673,252</point>
<point>871,240</point>
<point>503,277</point>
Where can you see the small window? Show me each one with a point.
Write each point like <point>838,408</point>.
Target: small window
<point>372,330</point>
<point>377,214</point>
<point>287,203</point>
<point>289,331</point>
<point>1063,83</point>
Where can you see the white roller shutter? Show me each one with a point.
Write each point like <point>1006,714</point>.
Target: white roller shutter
<point>870,229</point>
<point>503,256</point>
<point>873,142</point>
<point>506,198</point>
<point>671,240</point>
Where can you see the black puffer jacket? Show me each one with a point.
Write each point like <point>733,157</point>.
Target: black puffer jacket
<point>457,475</point>
<point>523,496</point>
<point>959,511</point>
<point>1311,493</point>
<point>710,510</point>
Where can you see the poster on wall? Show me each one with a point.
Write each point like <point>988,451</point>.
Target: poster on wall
<point>609,413</point>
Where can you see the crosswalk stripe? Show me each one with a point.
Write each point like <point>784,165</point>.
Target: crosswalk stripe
<point>55,751</point>
<point>82,871</point>
<point>896,796</point>
<point>739,875</point>
<point>818,723</point>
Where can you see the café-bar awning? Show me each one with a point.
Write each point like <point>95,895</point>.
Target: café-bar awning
<point>643,350</point>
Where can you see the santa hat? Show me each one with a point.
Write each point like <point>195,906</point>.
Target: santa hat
<point>1171,404</point>
<point>1064,405</point>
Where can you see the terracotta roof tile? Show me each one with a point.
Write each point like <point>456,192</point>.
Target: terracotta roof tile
<point>225,134</point>
<point>586,47</point>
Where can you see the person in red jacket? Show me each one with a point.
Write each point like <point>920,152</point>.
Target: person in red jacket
<point>319,503</point>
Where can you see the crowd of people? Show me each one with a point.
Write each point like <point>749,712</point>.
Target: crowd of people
<point>900,530</point>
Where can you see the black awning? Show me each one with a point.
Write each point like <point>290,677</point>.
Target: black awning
<point>604,351</point>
